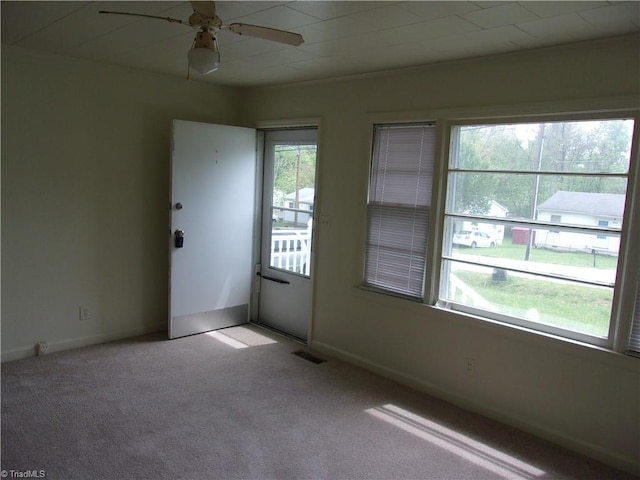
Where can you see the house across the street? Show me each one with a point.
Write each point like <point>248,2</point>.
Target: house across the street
<point>305,199</point>
<point>585,209</point>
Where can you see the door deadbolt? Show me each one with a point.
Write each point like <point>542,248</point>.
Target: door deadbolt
<point>179,238</point>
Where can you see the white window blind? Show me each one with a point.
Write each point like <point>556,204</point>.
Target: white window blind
<point>399,207</point>
<point>634,340</point>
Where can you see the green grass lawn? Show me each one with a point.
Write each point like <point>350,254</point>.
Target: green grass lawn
<point>583,309</point>
<point>543,255</point>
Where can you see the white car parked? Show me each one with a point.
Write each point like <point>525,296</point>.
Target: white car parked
<point>473,239</point>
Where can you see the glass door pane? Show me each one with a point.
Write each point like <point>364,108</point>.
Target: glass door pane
<point>292,204</point>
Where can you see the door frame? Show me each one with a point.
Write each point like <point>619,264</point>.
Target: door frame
<point>262,127</point>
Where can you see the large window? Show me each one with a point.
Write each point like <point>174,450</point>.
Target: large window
<point>532,225</point>
<point>399,208</point>
<point>551,196</point>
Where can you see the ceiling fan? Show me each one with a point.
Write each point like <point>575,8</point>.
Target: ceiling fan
<point>204,56</point>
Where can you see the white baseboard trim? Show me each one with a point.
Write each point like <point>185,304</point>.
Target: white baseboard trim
<point>512,419</point>
<point>60,345</point>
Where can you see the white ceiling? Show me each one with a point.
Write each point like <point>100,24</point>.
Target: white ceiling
<point>341,37</point>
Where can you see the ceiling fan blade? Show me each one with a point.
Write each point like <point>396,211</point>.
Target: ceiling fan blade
<point>206,9</point>
<point>266,33</point>
<point>168,19</point>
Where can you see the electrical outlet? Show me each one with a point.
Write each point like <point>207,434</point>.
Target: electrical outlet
<point>84,314</point>
<point>469,366</point>
<point>42,348</point>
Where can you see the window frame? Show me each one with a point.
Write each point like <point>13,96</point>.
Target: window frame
<point>617,312</point>
<point>626,284</point>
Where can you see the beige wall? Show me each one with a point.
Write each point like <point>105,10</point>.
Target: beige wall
<point>85,176</point>
<point>577,396</point>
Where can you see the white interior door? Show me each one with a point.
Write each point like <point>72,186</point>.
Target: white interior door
<point>287,230</point>
<point>212,202</point>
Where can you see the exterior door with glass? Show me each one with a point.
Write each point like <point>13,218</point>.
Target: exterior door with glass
<point>287,230</point>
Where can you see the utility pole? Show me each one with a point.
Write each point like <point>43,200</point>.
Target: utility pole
<point>297,191</point>
<point>536,189</point>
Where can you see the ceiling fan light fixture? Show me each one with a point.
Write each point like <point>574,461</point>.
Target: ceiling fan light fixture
<point>204,60</point>
<point>204,57</point>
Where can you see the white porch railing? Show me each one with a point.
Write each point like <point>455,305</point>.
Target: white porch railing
<point>463,293</point>
<point>291,250</point>
<point>467,295</point>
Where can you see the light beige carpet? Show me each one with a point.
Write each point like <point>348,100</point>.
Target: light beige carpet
<point>237,404</point>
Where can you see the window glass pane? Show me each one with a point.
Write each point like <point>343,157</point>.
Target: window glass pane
<point>529,298</point>
<point>533,221</point>
<point>558,253</point>
<point>601,146</point>
<point>576,199</point>
<point>292,207</point>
